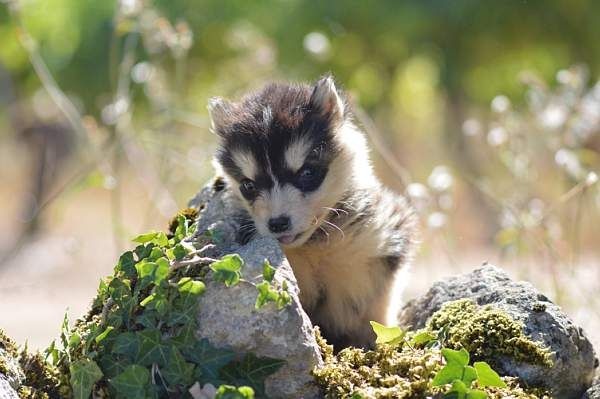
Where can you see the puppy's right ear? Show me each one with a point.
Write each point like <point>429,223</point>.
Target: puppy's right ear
<point>220,112</point>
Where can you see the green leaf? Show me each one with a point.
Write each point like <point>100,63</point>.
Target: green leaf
<point>487,377</point>
<point>147,237</point>
<point>188,286</point>
<point>152,348</point>
<point>127,264</point>
<point>152,272</point>
<point>127,344</point>
<point>449,373</point>
<point>112,365</point>
<point>468,375</point>
<point>84,374</point>
<point>155,254</point>
<point>209,359</point>
<point>179,251</point>
<point>387,335</point>
<point>231,392</point>
<point>186,338</point>
<point>268,271</point>
<point>104,334</point>
<point>155,237</point>
<point>422,338</point>
<point>227,269</point>
<point>177,370</point>
<point>459,387</point>
<point>251,371</point>
<point>266,294</point>
<point>476,394</point>
<point>460,357</point>
<point>132,382</point>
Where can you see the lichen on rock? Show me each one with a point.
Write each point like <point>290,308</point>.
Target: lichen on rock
<point>407,370</point>
<point>487,333</point>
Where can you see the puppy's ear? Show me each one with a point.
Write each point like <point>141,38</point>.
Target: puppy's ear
<point>327,102</point>
<point>220,112</point>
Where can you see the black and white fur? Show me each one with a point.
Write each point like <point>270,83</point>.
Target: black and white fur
<point>301,168</point>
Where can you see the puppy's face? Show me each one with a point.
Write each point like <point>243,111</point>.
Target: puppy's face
<point>282,154</point>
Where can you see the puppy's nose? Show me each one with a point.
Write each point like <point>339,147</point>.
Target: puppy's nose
<point>279,224</point>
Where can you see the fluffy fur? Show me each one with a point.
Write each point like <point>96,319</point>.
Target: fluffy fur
<point>301,169</point>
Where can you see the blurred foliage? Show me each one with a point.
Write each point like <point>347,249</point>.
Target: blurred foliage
<point>138,74</point>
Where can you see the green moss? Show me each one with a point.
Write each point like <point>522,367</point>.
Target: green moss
<point>487,333</point>
<point>9,350</point>
<point>42,380</point>
<point>386,372</point>
<point>406,371</point>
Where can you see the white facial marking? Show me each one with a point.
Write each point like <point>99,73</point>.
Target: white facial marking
<point>296,153</point>
<point>267,117</point>
<point>247,163</point>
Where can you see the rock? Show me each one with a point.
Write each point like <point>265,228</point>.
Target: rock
<point>6,390</point>
<point>574,359</point>
<point>228,316</point>
<point>594,391</point>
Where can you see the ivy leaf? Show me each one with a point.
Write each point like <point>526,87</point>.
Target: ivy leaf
<point>84,374</point>
<point>112,365</point>
<point>152,272</point>
<point>476,394</point>
<point>251,371</point>
<point>177,370</point>
<point>387,335</point>
<point>268,271</point>
<point>469,375</point>
<point>127,264</point>
<point>422,338</point>
<point>459,387</point>
<point>487,377</point>
<point>192,287</point>
<point>132,382</point>
<point>179,251</point>
<point>155,237</point>
<point>460,357</point>
<point>186,338</point>
<point>448,374</point>
<point>146,237</point>
<point>266,294</point>
<point>231,392</point>
<point>152,348</point>
<point>227,269</point>
<point>104,334</point>
<point>127,344</point>
<point>209,359</point>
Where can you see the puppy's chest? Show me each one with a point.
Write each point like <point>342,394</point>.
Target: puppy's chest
<point>342,274</point>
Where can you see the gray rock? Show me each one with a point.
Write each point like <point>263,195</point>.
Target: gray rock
<point>228,316</point>
<point>6,390</point>
<point>574,359</point>
<point>594,391</point>
<point>12,378</point>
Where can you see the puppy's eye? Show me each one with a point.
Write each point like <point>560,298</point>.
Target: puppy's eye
<point>309,178</point>
<point>248,189</point>
<point>306,173</point>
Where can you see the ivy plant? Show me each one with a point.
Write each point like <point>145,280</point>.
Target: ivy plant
<point>139,341</point>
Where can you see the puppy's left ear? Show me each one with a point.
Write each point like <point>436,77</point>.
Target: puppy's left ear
<point>220,111</point>
<point>326,100</point>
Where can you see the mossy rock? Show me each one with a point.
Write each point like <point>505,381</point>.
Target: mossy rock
<point>407,370</point>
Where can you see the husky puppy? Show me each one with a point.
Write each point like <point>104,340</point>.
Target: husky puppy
<point>301,169</point>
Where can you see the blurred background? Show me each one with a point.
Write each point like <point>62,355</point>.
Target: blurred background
<point>487,115</point>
